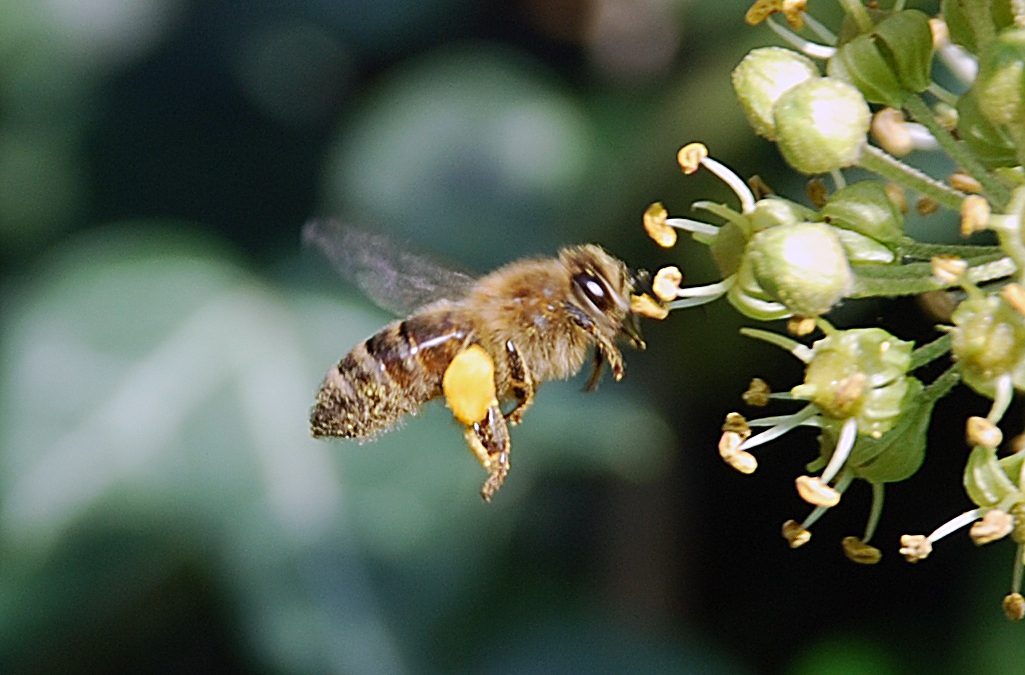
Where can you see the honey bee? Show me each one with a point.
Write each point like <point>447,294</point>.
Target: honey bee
<point>535,318</point>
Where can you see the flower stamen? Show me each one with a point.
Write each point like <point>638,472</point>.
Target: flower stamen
<point>693,155</point>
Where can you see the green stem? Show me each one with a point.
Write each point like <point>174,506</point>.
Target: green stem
<point>1019,568</point>
<point>930,351</point>
<point>892,281</point>
<point>993,189</point>
<point>942,385</point>
<point>878,491</point>
<point>798,350</point>
<point>1009,229</point>
<point>875,160</point>
<point>909,248</point>
<point>858,13</point>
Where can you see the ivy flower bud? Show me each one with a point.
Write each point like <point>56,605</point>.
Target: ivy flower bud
<point>775,211</point>
<point>891,61</point>
<point>865,207</point>
<point>987,479</point>
<point>804,267</point>
<point>988,341</point>
<point>821,125</point>
<point>869,224</point>
<point>762,77</point>
<point>858,373</point>
<point>730,242</point>
<point>1001,80</point>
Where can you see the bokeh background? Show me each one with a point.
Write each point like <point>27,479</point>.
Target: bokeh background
<point>162,508</point>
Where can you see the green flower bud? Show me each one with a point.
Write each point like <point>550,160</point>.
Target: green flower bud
<point>988,142</point>
<point>987,479</point>
<point>802,266</point>
<point>775,211</point>
<point>728,247</point>
<point>858,373</point>
<point>890,62</point>
<point>988,341</point>
<point>865,208</point>
<point>868,223</point>
<point>896,454</point>
<point>762,77</point>
<point>751,300</point>
<point>1000,85</point>
<point>821,125</point>
<point>730,242</point>
<point>862,250</point>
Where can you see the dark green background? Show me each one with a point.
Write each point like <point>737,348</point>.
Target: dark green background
<point>161,505</point>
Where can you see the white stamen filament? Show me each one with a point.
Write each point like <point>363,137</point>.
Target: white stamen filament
<point>844,444</point>
<point>701,295</point>
<point>806,47</point>
<point>921,139</point>
<point>1002,395</point>
<point>792,422</point>
<point>735,183</point>
<point>689,225</point>
<point>954,524</point>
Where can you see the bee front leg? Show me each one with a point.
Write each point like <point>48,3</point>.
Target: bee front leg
<point>521,382</point>
<point>606,350</point>
<point>596,369</point>
<point>489,441</point>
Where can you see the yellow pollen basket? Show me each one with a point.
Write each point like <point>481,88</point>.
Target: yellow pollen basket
<point>469,385</point>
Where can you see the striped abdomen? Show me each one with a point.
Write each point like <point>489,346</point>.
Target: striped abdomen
<point>389,375</point>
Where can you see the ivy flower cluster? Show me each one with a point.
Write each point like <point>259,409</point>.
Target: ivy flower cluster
<point>864,97</point>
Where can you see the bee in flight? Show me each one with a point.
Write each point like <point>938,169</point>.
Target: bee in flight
<point>527,322</point>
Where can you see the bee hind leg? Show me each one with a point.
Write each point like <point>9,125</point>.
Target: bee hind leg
<point>489,441</point>
<point>522,383</point>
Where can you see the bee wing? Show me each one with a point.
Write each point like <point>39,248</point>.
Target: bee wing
<point>394,278</point>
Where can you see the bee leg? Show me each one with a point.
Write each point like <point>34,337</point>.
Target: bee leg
<point>605,349</point>
<point>596,370</point>
<point>521,381</point>
<point>612,354</point>
<point>489,441</point>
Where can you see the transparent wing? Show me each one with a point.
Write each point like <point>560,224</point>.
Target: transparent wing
<point>394,278</point>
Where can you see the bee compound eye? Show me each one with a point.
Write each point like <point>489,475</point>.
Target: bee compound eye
<point>593,289</point>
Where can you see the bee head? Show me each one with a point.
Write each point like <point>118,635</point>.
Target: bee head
<point>602,286</point>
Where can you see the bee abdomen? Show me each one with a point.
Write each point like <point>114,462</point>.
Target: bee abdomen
<point>381,380</point>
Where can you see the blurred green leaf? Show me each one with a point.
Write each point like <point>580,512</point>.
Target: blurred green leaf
<point>146,378</point>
